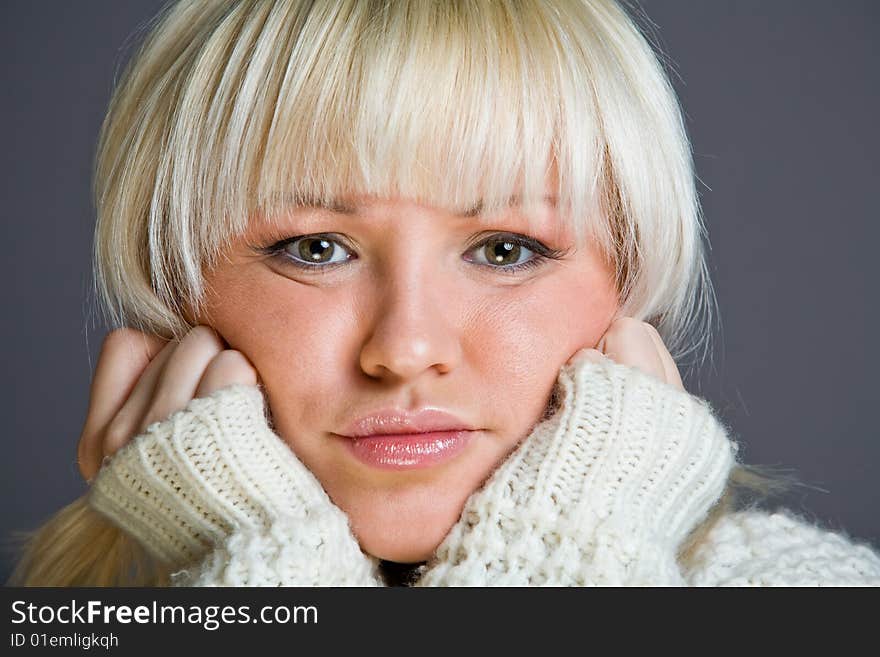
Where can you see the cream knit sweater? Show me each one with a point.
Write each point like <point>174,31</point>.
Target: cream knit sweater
<point>602,492</point>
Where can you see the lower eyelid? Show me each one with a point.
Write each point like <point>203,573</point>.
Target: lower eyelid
<point>535,261</point>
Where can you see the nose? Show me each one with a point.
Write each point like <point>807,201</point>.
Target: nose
<point>412,331</point>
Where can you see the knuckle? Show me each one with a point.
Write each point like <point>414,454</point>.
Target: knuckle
<point>124,333</point>
<point>619,328</point>
<point>233,365</point>
<point>230,358</point>
<point>628,329</point>
<point>119,338</point>
<point>201,344</point>
<point>660,342</point>
<point>651,328</point>
<point>205,336</point>
<point>628,324</point>
<point>129,344</point>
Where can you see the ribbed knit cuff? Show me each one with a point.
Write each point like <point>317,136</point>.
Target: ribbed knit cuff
<point>208,471</point>
<point>602,492</point>
<point>319,552</point>
<point>657,455</point>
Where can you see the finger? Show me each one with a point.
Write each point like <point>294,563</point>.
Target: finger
<point>586,356</point>
<point>125,425</point>
<point>125,353</point>
<point>673,377</point>
<point>124,356</point>
<point>179,380</point>
<point>227,368</point>
<point>626,342</point>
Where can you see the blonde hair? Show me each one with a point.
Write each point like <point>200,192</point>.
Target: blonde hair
<point>233,110</point>
<point>239,109</point>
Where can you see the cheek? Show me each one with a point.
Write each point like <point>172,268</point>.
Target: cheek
<point>525,337</point>
<point>295,346</point>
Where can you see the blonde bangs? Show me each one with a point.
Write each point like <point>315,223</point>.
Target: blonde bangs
<point>451,104</point>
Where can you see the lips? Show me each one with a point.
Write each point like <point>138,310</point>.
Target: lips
<point>409,451</point>
<point>395,421</point>
<point>401,440</point>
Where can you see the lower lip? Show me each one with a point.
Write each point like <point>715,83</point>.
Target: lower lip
<point>411,450</point>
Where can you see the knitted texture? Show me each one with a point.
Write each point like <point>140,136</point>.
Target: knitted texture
<point>213,481</point>
<point>757,548</point>
<point>601,493</point>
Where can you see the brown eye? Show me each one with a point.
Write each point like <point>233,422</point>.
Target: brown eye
<point>501,252</point>
<point>510,253</point>
<point>315,251</point>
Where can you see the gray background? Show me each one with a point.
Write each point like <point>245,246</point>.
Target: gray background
<point>782,102</point>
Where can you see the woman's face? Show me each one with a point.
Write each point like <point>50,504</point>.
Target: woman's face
<point>402,307</point>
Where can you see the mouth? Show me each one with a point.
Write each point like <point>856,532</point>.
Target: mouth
<point>399,439</point>
<point>408,451</point>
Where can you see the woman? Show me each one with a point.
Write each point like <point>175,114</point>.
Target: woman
<point>378,321</point>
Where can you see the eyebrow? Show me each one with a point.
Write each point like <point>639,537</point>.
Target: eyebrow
<point>333,205</point>
<point>511,202</point>
<point>339,207</point>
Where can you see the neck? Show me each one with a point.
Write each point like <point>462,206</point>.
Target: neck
<point>400,574</point>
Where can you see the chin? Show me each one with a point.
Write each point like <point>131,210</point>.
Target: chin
<point>405,528</point>
<point>400,552</point>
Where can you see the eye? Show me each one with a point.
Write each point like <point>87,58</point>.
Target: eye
<point>314,251</point>
<point>503,252</point>
<point>511,253</point>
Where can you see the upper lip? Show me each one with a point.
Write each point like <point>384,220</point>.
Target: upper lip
<point>396,421</point>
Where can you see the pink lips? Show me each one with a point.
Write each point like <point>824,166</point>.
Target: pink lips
<point>402,440</point>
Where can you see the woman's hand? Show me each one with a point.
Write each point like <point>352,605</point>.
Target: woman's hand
<point>635,344</point>
<point>197,475</point>
<point>141,379</point>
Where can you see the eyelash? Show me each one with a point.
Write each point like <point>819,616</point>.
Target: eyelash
<point>540,252</point>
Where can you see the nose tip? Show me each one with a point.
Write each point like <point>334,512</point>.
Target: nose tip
<point>410,336</point>
<point>396,351</point>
